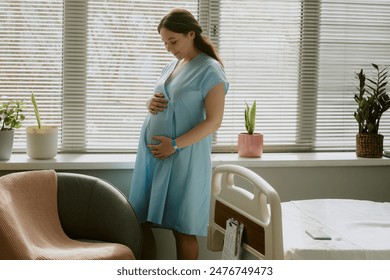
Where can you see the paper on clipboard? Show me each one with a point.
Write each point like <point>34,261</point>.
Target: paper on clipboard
<point>232,240</point>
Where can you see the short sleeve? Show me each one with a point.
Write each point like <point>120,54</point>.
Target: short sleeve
<point>214,75</point>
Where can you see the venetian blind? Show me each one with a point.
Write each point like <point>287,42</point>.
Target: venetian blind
<point>259,42</point>
<point>113,55</point>
<point>353,34</point>
<point>92,65</point>
<point>298,60</point>
<point>31,59</point>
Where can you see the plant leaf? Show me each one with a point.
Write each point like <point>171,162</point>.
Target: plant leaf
<point>36,111</point>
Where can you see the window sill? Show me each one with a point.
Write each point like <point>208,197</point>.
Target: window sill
<point>126,161</point>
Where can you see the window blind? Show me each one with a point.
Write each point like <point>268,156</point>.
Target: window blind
<point>31,59</point>
<point>123,56</point>
<point>259,42</point>
<point>298,60</point>
<point>92,64</point>
<point>353,34</point>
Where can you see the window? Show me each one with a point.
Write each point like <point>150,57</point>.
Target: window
<point>298,59</point>
<point>353,34</point>
<point>124,55</point>
<point>92,64</point>
<point>31,58</point>
<point>260,44</point>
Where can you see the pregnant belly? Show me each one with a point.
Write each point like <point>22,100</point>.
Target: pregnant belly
<point>159,125</point>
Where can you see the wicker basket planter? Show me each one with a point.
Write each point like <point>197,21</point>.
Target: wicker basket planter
<point>369,145</point>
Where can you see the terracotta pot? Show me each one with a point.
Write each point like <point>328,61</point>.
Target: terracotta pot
<point>250,145</point>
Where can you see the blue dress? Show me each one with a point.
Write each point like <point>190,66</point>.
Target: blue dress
<point>175,192</point>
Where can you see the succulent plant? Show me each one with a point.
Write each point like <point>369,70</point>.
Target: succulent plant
<point>250,117</point>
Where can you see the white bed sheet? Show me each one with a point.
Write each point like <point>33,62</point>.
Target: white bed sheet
<point>359,229</point>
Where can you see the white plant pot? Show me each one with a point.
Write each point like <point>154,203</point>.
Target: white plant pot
<point>42,142</point>
<point>6,144</point>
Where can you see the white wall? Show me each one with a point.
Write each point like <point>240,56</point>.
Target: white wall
<point>292,183</point>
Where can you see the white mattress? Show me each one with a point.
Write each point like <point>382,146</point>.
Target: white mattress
<point>359,229</point>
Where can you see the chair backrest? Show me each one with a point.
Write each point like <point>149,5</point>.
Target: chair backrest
<point>93,209</point>
<point>255,204</point>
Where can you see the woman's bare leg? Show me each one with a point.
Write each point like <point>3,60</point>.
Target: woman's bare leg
<point>187,247</point>
<point>149,249</point>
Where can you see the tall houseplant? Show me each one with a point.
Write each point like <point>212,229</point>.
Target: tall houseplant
<point>41,139</point>
<point>11,117</point>
<point>250,144</point>
<point>372,101</point>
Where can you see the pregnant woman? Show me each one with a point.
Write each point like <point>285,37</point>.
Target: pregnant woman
<point>170,186</point>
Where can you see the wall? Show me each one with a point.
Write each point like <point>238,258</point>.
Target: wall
<point>292,183</point>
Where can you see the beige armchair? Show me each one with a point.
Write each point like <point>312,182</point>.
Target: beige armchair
<point>50,215</point>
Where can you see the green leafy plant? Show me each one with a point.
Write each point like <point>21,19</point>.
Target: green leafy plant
<point>11,115</point>
<point>250,117</point>
<point>372,99</point>
<point>36,111</point>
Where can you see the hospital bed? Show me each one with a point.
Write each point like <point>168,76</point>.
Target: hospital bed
<point>345,228</point>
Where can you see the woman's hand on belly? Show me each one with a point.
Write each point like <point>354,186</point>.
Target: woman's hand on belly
<point>157,103</point>
<point>162,150</point>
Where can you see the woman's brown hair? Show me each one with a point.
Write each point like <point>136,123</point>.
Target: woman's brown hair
<point>182,21</point>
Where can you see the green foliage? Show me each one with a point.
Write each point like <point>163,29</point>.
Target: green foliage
<point>11,115</point>
<point>372,99</point>
<point>36,111</point>
<point>250,117</point>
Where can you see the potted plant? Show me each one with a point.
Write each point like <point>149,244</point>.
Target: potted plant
<point>41,140</point>
<point>372,101</point>
<point>250,144</point>
<point>11,117</point>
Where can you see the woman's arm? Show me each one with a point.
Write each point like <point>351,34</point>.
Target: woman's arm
<point>214,104</point>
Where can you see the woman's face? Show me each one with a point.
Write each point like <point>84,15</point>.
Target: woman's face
<point>180,45</point>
